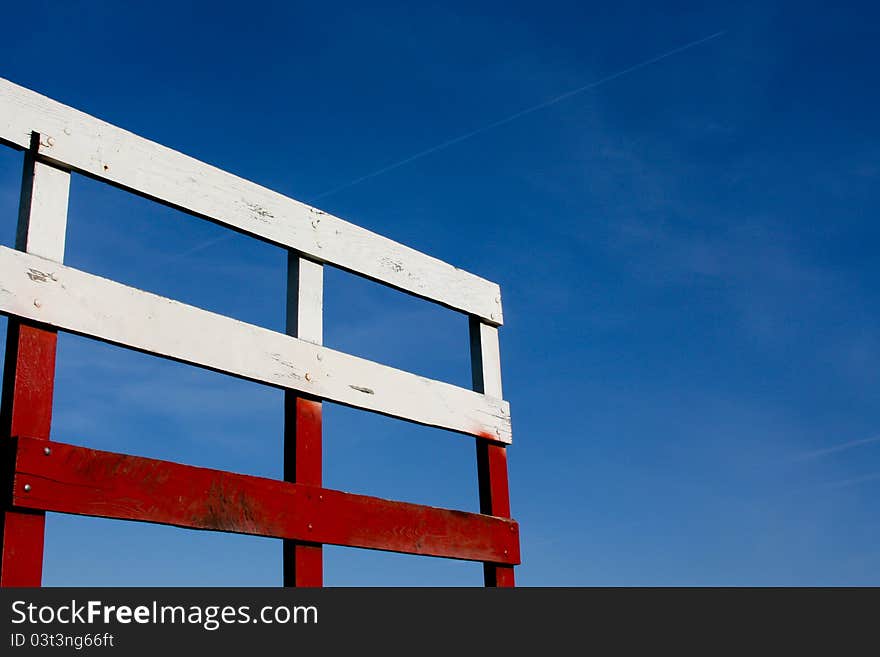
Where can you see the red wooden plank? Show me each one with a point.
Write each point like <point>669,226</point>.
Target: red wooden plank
<point>28,382</point>
<point>494,500</point>
<point>303,562</point>
<point>28,379</point>
<point>70,479</point>
<point>491,455</point>
<point>23,533</point>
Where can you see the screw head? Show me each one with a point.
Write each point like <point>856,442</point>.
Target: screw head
<point>27,487</point>
<point>47,451</point>
<point>310,526</point>
<point>37,303</point>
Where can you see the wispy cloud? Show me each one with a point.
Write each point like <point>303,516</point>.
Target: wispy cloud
<point>853,481</point>
<point>834,449</point>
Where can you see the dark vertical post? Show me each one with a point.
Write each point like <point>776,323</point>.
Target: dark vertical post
<point>491,454</point>
<point>29,366</point>
<point>303,562</point>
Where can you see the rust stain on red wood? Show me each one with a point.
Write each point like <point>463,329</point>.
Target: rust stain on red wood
<point>68,481</point>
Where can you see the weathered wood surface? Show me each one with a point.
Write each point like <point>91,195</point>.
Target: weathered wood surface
<point>88,145</point>
<point>77,480</point>
<point>46,291</point>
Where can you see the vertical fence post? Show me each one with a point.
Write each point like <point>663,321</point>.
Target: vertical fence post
<point>491,455</point>
<point>29,367</point>
<point>303,562</point>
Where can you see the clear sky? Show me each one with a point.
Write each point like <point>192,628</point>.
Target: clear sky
<point>687,256</point>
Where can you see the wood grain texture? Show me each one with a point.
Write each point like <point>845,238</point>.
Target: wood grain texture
<point>75,140</point>
<point>83,481</point>
<point>69,299</point>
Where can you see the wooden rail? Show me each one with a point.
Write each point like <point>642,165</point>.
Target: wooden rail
<point>48,292</point>
<point>69,479</point>
<point>79,142</point>
<point>41,295</point>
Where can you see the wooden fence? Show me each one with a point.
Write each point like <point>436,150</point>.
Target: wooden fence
<point>40,296</point>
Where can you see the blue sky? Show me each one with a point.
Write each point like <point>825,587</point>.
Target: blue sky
<point>687,256</point>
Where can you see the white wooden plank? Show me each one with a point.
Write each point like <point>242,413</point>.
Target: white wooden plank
<point>42,214</point>
<point>69,299</point>
<point>485,358</point>
<point>89,145</point>
<point>305,298</point>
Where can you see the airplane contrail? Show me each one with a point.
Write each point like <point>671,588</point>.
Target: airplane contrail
<point>472,133</point>
<point>516,115</point>
<point>837,448</point>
